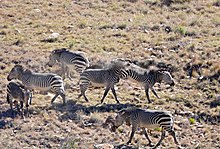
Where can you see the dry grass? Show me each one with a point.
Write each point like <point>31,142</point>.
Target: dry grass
<point>135,30</point>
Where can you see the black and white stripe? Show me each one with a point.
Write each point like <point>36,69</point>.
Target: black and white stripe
<point>69,60</point>
<point>39,81</point>
<point>149,119</point>
<point>103,77</point>
<point>148,78</point>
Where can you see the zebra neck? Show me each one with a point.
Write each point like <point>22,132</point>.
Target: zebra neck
<point>23,76</point>
<point>158,78</point>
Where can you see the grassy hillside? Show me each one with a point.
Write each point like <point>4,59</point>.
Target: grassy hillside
<point>178,36</point>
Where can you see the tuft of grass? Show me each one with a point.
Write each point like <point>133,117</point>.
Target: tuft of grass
<point>120,129</point>
<point>159,129</point>
<point>192,120</point>
<point>70,143</point>
<point>181,30</point>
<point>95,118</point>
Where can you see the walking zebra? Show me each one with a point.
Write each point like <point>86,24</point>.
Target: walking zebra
<point>38,81</point>
<point>107,77</point>
<point>20,94</point>
<point>149,119</point>
<point>148,78</point>
<point>69,61</point>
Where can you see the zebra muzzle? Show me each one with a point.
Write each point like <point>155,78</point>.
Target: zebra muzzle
<point>8,78</point>
<point>172,84</point>
<point>113,128</point>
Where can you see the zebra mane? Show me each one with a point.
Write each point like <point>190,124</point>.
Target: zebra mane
<point>127,110</point>
<point>115,63</point>
<point>22,69</point>
<point>59,51</point>
<point>18,67</point>
<point>137,68</point>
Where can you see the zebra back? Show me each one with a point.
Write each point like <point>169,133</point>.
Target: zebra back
<point>76,59</point>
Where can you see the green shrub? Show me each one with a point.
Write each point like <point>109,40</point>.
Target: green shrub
<point>192,120</point>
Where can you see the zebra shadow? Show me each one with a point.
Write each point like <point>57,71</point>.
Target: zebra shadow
<point>70,110</point>
<point>5,115</point>
<point>7,112</point>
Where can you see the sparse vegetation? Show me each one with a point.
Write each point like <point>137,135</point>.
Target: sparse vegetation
<point>135,30</point>
<point>192,120</point>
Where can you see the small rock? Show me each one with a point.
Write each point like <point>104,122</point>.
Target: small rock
<point>37,10</point>
<point>103,146</point>
<point>52,38</point>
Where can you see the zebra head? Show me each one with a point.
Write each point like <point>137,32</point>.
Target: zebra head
<point>166,77</point>
<point>15,72</point>
<point>122,116</point>
<point>55,56</point>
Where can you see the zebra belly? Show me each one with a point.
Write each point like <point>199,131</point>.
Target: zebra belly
<point>149,126</point>
<point>39,88</point>
<point>136,81</point>
<point>98,84</point>
<point>71,66</point>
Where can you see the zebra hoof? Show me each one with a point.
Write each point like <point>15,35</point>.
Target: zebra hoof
<point>128,142</point>
<point>150,144</point>
<point>150,102</point>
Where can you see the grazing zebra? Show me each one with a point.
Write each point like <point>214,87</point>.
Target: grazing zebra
<point>102,77</point>
<point>148,78</point>
<point>38,81</point>
<point>69,61</point>
<point>20,94</point>
<point>149,119</point>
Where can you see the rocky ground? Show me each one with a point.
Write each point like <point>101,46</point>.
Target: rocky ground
<point>179,36</point>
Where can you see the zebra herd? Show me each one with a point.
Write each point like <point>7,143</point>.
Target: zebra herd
<point>108,77</point>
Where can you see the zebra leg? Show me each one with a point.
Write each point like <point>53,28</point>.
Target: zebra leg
<point>17,106</point>
<point>69,75</point>
<point>27,111</point>
<point>9,100</point>
<point>190,72</point>
<point>161,139</point>
<point>154,92</point>
<point>21,109</point>
<point>31,95</point>
<point>63,97</point>
<point>147,94</point>
<point>146,135</point>
<point>105,93</point>
<point>63,69</point>
<point>83,88</point>
<point>57,94</point>
<point>134,127</point>
<point>172,133</point>
<point>114,93</point>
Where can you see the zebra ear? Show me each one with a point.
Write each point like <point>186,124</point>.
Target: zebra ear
<point>162,70</point>
<point>122,111</point>
<point>18,67</point>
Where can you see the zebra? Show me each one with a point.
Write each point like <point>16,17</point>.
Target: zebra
<point>39,81</point>
<point>142,118</point>
<point>148,78</point>
<point>107,77</point>
<point>19,93</point>
<point>69,61</point>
